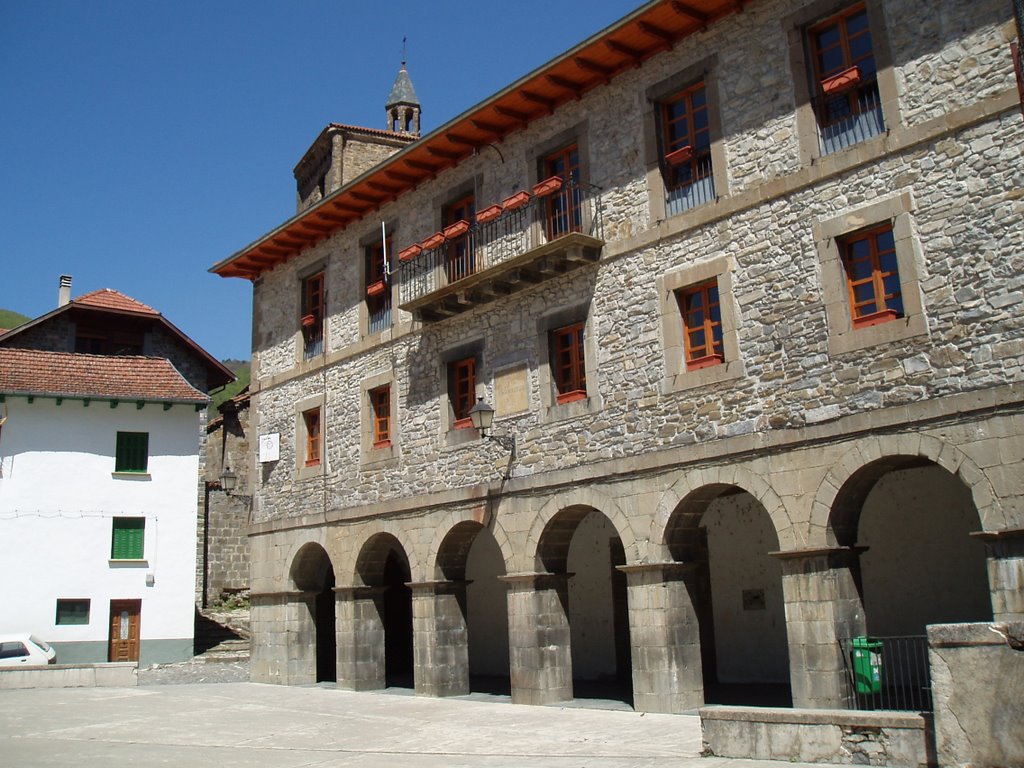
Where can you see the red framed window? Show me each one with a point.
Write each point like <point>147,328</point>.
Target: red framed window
<point>562,214</point>
<point>568,363</point>
<point>462,390</point>
<point>461,261</point>
<point>843,62</point>
<point>312,312</point>
<point>702,325</point>
<point>378,288</point>
<point>380,405</point>
<point>686,136</point>
<point>872,276</point>
<point>311,419</point>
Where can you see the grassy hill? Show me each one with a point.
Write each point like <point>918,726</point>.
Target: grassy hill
<point>11,319</point>
<point>241,369</point>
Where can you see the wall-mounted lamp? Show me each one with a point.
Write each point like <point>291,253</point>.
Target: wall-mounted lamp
<point>228,480</point>
<point>482,415</point>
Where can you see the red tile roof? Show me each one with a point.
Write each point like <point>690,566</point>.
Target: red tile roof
<point>109,377</point>
<point>108,298</point>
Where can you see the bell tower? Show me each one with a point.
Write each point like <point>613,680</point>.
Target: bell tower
<point>403,107</point>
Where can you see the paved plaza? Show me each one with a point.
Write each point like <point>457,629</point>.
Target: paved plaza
<point>230,725</point>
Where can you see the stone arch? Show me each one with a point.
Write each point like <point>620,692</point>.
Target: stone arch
<point>310,565</point>
<point>686,500</point>
<point>455,535</point>
<point>842,492</point>
<point>369,566</point>
<point>552,531</point>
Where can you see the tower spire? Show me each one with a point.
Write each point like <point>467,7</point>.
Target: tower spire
<point>403,107</point>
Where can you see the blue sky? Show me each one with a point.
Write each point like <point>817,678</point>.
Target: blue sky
<point>141,142</point>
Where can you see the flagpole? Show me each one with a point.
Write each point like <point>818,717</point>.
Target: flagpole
<point>384,249</point>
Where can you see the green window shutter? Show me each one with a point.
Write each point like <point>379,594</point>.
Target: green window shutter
<point>132,452</point>
<point>128,540</point>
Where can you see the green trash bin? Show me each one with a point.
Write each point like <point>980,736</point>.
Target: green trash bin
<point>867,664</point>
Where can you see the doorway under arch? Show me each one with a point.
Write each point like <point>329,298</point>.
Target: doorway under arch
<point>583,543</point>
<point>383,563</point>
<point>735,587</point>
<point>313,572</point>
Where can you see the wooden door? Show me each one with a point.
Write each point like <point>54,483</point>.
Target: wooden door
<point>125,624</point>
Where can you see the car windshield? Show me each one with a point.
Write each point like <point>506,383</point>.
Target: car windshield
<point>41,643</point>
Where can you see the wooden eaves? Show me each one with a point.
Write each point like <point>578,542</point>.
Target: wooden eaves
<point>651,29</point>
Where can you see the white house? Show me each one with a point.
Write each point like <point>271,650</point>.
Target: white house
<point>99,470</point>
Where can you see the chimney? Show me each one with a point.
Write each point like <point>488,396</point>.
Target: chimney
<point>64,294</point>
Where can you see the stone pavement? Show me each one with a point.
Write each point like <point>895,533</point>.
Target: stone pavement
<point>248,725</point>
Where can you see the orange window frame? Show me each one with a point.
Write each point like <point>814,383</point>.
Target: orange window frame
<point>311,419</point>
<point>375,272</point>
<point>844,43</point>
<point>562,210</point>
<point>569,363</point>
<point>462,390</point>
<point>461,263</point>
<point>380,405</point>
<point>702,325</point>
<point>685,121</point>
<point>863,253</point>
<point>313,296</point>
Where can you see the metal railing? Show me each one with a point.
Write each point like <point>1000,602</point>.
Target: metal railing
<point>313,341</point>
<point>379,318</point>
<point>888,673</point>
<point>694,185</point>
<point>849,117</point>
<point>575,208</point>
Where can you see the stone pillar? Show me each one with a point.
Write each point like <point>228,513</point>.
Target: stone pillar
<point>359,619</point>
<point>540,657</point>
<point>823,605</point>
<point>440,638</point>
<point>283,638</point>
<point>664,637</point>
<point>1005,552</point>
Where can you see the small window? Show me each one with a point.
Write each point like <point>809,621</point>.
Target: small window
<point>686,149</point>
<point>563,208</point>
<point>702,325</point>
<point>311,419</point>
<point>380,403</point>
<point>132,454</point>
<point>872,276</point>
<point>378,287</point>
<point>312,315</point>
<point>73,611</point>
<point>128,539</point>
<point>462,390</point>
<point>13,650</point>
<point>845,83</point>
<point>568,363</point>
<point>461,259</point>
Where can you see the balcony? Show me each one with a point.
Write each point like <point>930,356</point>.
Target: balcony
<point>526,240</point>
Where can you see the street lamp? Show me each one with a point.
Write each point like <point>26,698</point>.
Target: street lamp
<point>482,415</point>
<point>228,480</point>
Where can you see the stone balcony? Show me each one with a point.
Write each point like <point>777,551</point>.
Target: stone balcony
<point>527,239</point>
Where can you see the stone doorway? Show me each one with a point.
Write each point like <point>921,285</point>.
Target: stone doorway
<point>313,574</point>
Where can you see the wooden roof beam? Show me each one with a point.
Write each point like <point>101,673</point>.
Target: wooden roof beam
<point>371,199</point>
<point>319,229</point>
<point>593,66</point>
<point>325,216</point>
<point>456,138</point>
<point>402,177</point>
<point>387,189</point>
<point>536,98</point>
<point>483,125</point>
<point>575,88</point>
<point>421,166</point>
<point>625,50</point>
<point>443,153</point>
<point>657,32</point>
<point>344,205</point>
<point>683,9</point>
<point>514,114</point>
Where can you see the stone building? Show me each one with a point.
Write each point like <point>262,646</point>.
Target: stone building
<point>742,285</point>
<point>222,556</point>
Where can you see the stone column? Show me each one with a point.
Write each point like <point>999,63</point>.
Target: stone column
<point>359,618</point>
<point>440,638</point>
<point>823,605</point>
<point>1005,552</point>
<point>540,658</point>
<point>664,637</point>
<point>283,638</point>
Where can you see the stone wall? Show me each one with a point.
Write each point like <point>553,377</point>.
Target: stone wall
<point>978,689</point>
<point>223,561</point>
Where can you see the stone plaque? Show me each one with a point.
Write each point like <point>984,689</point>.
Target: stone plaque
<point>510,391</point>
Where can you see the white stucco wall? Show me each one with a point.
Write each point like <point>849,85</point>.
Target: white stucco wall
<point>58,495</point>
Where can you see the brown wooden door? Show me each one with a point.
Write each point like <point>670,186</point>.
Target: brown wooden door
<point>125,623</point>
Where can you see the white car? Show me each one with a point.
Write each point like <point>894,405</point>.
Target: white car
<point>25,649</point>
